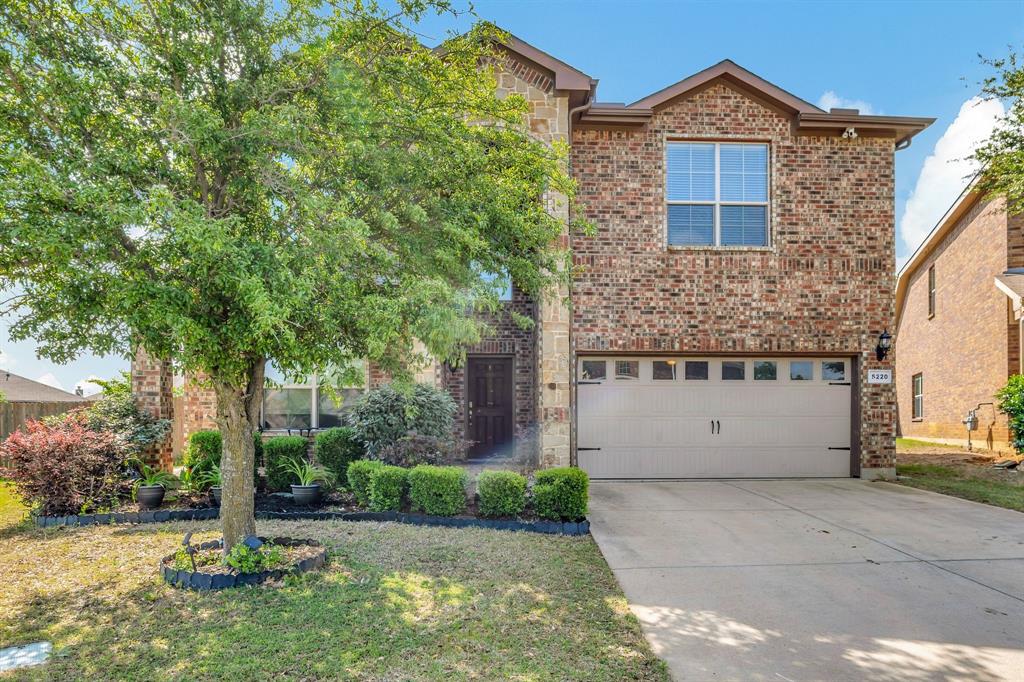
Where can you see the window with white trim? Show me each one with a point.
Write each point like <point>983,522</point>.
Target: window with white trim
<point>716,194</point>
<point>290,403</point>
<point>917,395</point>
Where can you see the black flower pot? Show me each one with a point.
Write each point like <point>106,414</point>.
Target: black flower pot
<point>306,494</point>
<point>150,496</point>
<point>215,491</point>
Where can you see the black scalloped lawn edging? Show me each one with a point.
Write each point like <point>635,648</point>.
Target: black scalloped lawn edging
<point>546,527</point>
<point>190,580</point>
<point>156,516</point>
<point>207,514</point>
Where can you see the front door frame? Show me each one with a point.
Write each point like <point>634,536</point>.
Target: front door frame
<point>466,395</point>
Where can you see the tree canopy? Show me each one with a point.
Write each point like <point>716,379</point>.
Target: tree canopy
<point>233,182</point>
<point>1002,155</point>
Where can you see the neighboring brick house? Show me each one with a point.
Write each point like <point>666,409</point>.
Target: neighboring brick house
<point>958,330</point>
<point>726,310</point>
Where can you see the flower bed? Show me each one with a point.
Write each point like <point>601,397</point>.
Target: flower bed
<point>297,556</point>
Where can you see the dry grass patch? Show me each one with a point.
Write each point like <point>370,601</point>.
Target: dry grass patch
<point>958,472</point>
<point>395,603</point>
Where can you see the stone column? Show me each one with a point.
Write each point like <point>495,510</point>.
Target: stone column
<point>152,388</point>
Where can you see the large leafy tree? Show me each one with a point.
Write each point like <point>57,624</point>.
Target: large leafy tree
<point>243,181</point>
<point>1002,156</point>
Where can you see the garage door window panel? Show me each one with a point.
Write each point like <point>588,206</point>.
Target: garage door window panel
<point>627,369</point>
<point>765,370</point>
<point>734,371</point>
<point>664,370</point>
<point>801,370</point>
<point>833,370</point>
<point>593,370</point>
<point>696,370</point>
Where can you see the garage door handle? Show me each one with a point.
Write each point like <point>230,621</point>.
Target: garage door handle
<point>719,425</point>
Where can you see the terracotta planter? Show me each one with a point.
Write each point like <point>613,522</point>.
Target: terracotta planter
<point>150,496</point>
<point>306,494</point>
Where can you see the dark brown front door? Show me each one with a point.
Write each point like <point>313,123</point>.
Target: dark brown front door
<point>489,405</point>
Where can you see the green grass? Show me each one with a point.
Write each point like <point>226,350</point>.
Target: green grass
<point>913,443</point>
<point>395,602</point>
<point>12,511</point>
<point>952,481</point>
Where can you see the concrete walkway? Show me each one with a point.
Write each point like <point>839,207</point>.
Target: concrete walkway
<point>817,579</point>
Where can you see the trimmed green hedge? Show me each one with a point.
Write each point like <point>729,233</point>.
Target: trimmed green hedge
<point>560,494</point>
<point>384,415</point>
<point>278,451</point>
<point>440,491</point>
<point>358,475</point>
<point>337,448</point>
<point>388,485</point>
<point>502,493</point>
<point>205,448</point>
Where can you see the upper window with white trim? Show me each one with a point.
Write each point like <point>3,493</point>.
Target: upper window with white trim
<point>717,194</point>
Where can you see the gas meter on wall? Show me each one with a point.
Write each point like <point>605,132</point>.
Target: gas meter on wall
<point>971,420</point>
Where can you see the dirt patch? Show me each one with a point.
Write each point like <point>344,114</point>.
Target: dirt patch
<point>976,464</point>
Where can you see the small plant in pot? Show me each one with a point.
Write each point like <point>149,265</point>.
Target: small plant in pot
<point>211,478</point>
<point>151,486</point>
<point>307,491</point>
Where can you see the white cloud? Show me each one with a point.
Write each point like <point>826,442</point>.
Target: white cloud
<point>88,385</point>
<point>830,99</point>
<point>50,380</point>
<point>947,170</point>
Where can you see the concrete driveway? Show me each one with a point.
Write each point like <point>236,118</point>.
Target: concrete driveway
<point>817,580</point>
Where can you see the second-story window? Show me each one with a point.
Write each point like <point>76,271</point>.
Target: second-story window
<point>931,291</point>
<point>717,194</point>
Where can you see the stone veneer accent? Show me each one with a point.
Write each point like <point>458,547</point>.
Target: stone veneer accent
<point>152,388</point>
<point>824,286</point>
<point>970,347</point>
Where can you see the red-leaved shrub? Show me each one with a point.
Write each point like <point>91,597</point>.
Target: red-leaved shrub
<point>64,467</point>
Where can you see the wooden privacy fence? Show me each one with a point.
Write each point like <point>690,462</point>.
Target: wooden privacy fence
<point>14,414</point>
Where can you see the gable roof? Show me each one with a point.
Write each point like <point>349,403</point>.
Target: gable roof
<point>18,389</point>
<point>566,77</point>
<point>732,72</point>
<point>808,118</point>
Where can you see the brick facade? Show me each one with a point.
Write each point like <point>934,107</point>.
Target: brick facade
<point>824,286</point>
<point>152,387</point>
<point>966,351</point>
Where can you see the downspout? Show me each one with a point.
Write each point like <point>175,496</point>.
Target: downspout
<point>573,411</point>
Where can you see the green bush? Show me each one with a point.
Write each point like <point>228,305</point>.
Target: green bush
<point>278,452</point>
<point>386,414</point>
<point>437,490</point>
<point>203,451</point>
<point>388,485</point>
<point>336,449</point>
<point>1011,403</point>
<point>560,494</point>
<point>205,448</point>
<point>359,473</point>
<point>502,493</point>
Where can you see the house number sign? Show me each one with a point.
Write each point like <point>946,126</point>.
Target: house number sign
<point>879,376</point>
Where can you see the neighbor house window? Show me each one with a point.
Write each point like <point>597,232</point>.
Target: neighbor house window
<point>290,403</point>
<point>931,291</point>
<point>917,390</point>
<point>717,194</point>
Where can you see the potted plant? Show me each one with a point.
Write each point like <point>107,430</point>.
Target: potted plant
<point>212,479</point>
<point>151,486</point>
<point>307,491</point>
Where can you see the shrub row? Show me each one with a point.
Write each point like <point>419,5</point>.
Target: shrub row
<point>558,495</point>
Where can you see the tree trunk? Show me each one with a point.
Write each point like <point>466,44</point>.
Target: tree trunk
<point>237,417</point>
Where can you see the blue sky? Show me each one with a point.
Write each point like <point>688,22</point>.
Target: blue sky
<point>898,58</point>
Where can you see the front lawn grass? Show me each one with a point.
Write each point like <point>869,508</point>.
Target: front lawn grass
<point>12,511</point>
<point>960,482</point>
<point>913,443</point>
<point>395,602</point>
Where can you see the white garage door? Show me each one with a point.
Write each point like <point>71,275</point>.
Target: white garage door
<point>713,417</point>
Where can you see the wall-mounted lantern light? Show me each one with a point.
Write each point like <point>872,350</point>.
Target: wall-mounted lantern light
<point>884,344</point>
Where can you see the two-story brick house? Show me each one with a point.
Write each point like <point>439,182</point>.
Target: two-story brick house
<point>959,317</point>
<point>727,310</point>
